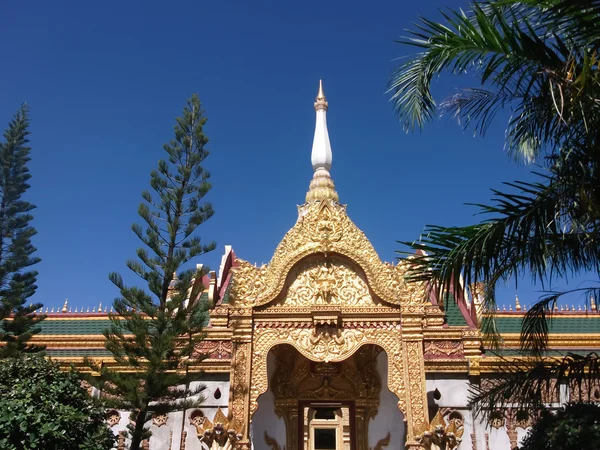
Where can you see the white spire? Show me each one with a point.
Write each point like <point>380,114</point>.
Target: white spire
<point>321,150</point>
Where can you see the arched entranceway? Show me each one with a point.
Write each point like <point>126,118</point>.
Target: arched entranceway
<point>343,405</point>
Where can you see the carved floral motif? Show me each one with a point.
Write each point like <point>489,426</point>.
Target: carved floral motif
<point>442,436</point>
<point>322,228</point>
<point>336,347</point>
<point>218,434</point>
<point>332,283</point>
<point>159,419</point>
<point>213,349</point>
<point>112,417</point>
<point>240,387</point>
<point>443,349</point>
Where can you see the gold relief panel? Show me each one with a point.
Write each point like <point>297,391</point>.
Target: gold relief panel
<point>327,346</point>
<point>322,228</point>
<point>324,282</point>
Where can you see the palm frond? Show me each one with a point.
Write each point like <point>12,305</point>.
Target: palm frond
<point>529,384</point>
<point>535,325</point>
<point>494,46</point>
<point>530,232</point>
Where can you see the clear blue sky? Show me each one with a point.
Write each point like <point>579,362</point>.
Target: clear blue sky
<point>105,80</point>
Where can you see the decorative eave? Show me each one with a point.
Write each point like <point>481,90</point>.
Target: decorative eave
<point>323,228</point>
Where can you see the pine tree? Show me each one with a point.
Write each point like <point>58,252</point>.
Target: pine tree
<point>17,282</point>
<point>154,334</point>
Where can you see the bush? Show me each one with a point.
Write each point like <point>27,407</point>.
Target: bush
<point>44,408</point>
<point>574,427</point>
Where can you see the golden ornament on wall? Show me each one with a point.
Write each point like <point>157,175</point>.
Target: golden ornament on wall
<point>333,282</point>
<point>322,228</point>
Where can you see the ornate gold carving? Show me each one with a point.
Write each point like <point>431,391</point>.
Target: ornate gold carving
<point>442,436</point>
<point>159,419</point>
<point>322,228</point>
<point>521,419</point>
<point>356,378</point>
<point>220,434</point>
<point>239,385</point>
<point>328,283</point>
<point>416,380</point>
<point>213,349</point>
<point>317,347</point>
<point>444,349</point>
<point>497,420</point>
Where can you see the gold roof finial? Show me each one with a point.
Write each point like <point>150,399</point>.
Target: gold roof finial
<point>517,304</point>
<point>321,101</point>
<point>592,304</point>
<point>64,308</point>
<point>320,95</point>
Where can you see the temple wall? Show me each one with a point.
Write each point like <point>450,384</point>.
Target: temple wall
<point>168,436</point>
<point>454,396</point>
<point>389,418</point>
<point>265,418</point>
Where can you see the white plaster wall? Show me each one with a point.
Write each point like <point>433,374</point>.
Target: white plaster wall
<point>521,433</point>
<point>209,408</point>
<point>161,436</point>
<point>498,438</point>
<point>265,418</point>
<point>454,395</point>
<point>389,418</point>
<point>454,391</point>
<point>122,425</point>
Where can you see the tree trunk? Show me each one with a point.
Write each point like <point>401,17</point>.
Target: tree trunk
<point>138,431</point>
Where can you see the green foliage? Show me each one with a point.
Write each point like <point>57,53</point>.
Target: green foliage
<point>530,382</point>
<point>43,408</point>
<point>539,59</point>
<point>574,427</point>
<point>154,334</point>
<point>17,283</point>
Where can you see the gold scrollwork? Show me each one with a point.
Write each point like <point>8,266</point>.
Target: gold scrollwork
<point>328,283</point>
<point>322,228</point>
<point>335,348</point>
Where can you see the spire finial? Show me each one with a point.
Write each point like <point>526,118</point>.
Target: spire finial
<point>64,308</point>
<point>321,95</point>
<point>321,186</point>
<point>517,304</point>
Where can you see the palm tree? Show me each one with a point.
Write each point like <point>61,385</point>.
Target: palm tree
<point>539,60</point>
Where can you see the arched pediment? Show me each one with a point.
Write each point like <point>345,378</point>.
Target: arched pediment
<point>331,281</point>
<point>322,228</point>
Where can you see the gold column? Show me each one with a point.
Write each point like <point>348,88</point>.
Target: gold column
<point>414,373</point>
<point>241,322</point>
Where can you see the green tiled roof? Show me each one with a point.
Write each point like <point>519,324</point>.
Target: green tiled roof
<point>565,324</point>
<point>454,316</point>
<point>66,352</point>
<point>74,326</point>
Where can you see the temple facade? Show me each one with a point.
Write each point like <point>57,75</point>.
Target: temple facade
<point>326,347</point>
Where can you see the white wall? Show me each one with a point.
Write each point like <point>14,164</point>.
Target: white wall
<point>209,408</point>
<point>265,418</point>
<point>389,418</point>
<point>161,436</point>
<point>454,395</point>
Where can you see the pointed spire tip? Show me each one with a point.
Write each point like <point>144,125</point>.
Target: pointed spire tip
<point>321,94</point>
